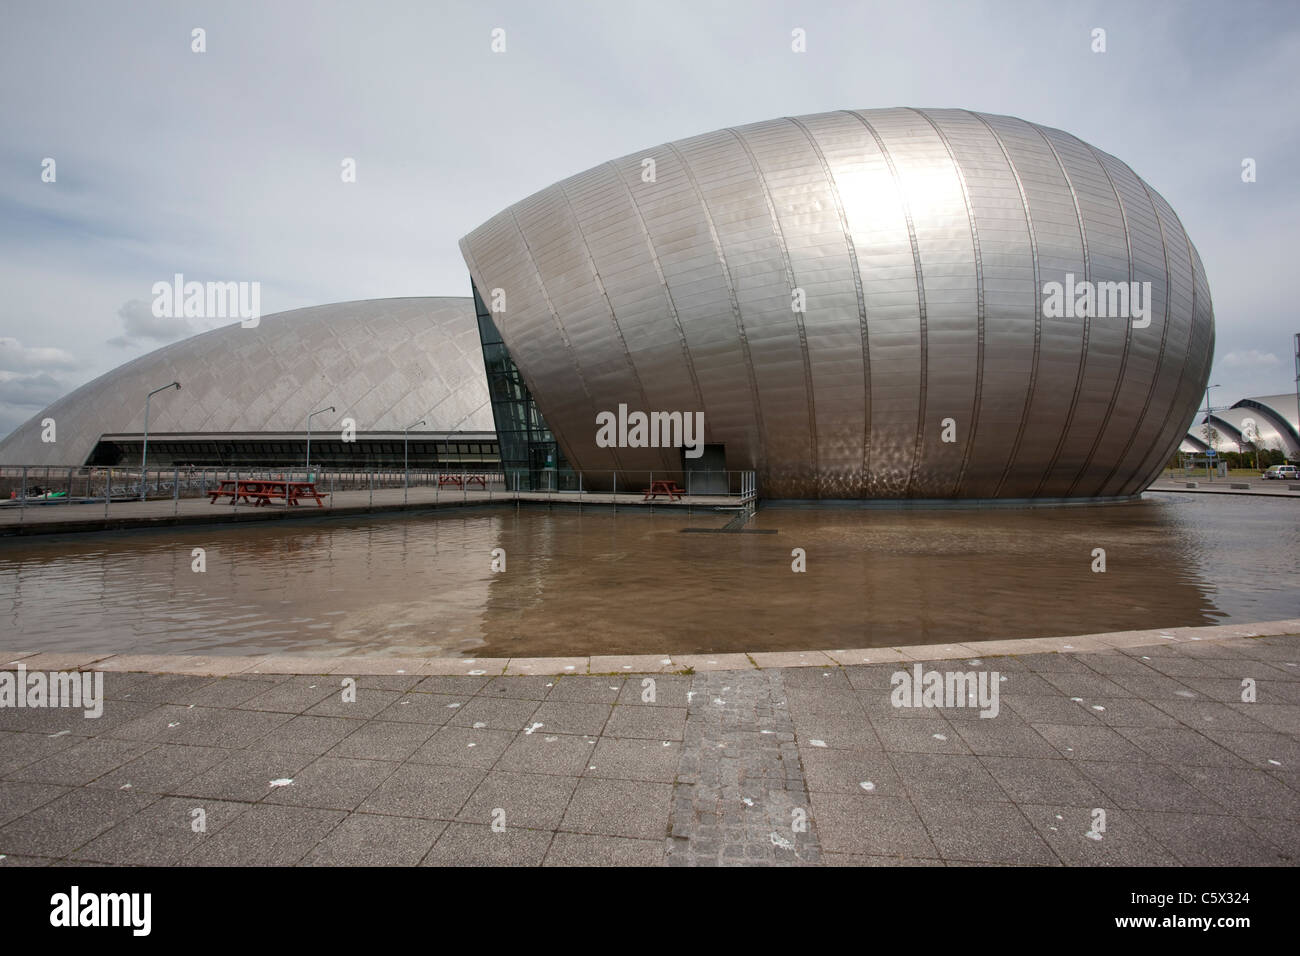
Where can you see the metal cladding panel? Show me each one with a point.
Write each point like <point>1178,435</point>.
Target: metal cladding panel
<point>1059,244</point>
<point>1009,296</point>
<point>1195,371</point>
<point>879,220</point>
<point>839,141</point>
<point>583,307</point>
<point>1154,426</point>
<point>945,245</point>
<point>829,323</point>
<point>1106,338</point>
<point>651,335</point>
<point>538,339</point>
<point>921,241</point>
<point>736,196</point>
<point>1145,344</point>
<point>383,362</point>
<point>682,242</point>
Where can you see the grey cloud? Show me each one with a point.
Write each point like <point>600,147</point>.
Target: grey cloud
<point>30,391</point>
<point>22,396</point>
<point>140,325</point>
<point>16,357</point>
<point>157,175</point>
<point>11,417</point>
<point>1250,358</point>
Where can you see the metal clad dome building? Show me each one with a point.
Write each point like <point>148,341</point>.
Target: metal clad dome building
<point>1276,425</point>
<point>922,241</point>
<point>247,391</point>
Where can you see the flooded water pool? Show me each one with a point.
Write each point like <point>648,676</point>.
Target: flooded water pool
<point>600,583</point>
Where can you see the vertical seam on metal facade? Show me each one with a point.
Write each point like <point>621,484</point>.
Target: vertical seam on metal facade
<point>779,235</point>
<point>862,302</point>
<point>1128,332</point>
<point>979,304</point>
<point>668,293</point>
<point>1036,313</point>
<point>1164,338</point>
<point>564,337</point>
<point>1143,469</point>
<point>920,294</point>
<point>613,318</point>
<point>1087,322</point>
<point>761,462</point>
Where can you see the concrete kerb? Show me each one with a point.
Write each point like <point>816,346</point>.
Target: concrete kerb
<point>282,664</point>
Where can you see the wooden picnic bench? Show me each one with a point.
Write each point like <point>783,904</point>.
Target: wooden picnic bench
<point>261,491</point>
<point>669,488</point>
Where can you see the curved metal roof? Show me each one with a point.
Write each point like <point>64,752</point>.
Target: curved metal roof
<point>1278,414</point>
<point>1274,418</point>
<point>922,241</point>
<point>383,362</point>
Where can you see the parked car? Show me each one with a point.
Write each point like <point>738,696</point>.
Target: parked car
<point>1282,471</point>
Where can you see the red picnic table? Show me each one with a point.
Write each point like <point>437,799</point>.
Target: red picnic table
<point>461,481</point>
<point>263,490</point>
<point>669,488</point>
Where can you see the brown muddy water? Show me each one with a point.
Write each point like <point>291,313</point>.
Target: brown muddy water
<point>599,583</point>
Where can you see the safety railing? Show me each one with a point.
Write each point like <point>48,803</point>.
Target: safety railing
<point>53,492</point>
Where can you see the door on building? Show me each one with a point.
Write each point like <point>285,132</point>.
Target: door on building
<point>541,465</point>
<point>706,475</point>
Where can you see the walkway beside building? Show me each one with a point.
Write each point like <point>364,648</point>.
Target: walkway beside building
<point>1143,754</point>
<point>72,517</point>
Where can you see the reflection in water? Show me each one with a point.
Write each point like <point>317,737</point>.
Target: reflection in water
<point>633,583</point>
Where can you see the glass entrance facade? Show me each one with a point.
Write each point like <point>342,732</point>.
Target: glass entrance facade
<point>530,456</point>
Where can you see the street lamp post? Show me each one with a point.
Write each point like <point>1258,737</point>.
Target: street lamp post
<point>406,458</point>
<point>144,450</point>
<point>318,411</point>
<point>1209,429</point>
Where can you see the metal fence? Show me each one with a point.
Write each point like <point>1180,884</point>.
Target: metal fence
<point>126,490</point>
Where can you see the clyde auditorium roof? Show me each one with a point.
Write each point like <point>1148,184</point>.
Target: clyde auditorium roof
<point>383,362</point>
<point>1276,422</point>
<point>922,241</point>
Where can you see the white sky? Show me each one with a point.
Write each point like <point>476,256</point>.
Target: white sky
<point>225,165</point>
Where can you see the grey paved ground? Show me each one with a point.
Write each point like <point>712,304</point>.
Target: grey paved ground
<point>788,766</point>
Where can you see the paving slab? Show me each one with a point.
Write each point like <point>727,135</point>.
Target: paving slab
<point>364,839</point>
<point>781,759</point>
<point>265,836</point>
<point>464,844</point>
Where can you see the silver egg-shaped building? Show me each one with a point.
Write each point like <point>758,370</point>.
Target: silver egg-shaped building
<point>855,301</point>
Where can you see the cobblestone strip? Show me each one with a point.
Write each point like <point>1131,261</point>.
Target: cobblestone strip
<point>740,783</point>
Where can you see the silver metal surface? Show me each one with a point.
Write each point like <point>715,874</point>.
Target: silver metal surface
<point>382,362</point>
<point>922,240</point>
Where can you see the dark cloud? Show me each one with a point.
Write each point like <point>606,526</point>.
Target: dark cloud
<point>30,391</point>
<point>22,396</point>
